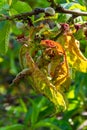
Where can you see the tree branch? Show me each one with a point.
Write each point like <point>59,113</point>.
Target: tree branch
<point>23,15</point>
<point>58,8</point>
<point>66,11</point>
<point>36,11</point>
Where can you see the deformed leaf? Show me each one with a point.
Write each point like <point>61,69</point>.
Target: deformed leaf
<point>51,63</point>
<point>74,56</point>
<point>58,67</point>
<point>44,86</point>
<point>62,79</point>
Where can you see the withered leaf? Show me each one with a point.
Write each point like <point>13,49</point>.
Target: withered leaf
<point>44,86</point>
<point>74,56</point>
<point>58,66</point>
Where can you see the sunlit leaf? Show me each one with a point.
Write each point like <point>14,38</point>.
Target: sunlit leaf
<point>71,94</point>
<point>20,7</point>
<point>79,34</point>
<point>74,56</point>
<point>40,82</point>
<point>9,2</point>
<point>58,66</point>
<point>44,86</point>
<point>78,6</point>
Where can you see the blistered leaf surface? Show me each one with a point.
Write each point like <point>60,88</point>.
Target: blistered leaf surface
<point>74,55</point>
<point>44,86</point>
<point>58,67</point>
<point>50,61</point>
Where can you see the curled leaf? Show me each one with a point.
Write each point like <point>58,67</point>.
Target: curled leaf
<point>51,63</point>
<point>58,66</point>
<point>44,86</point>
<point>74,56</point>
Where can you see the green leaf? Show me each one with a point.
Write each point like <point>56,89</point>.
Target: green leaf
<point>23,105</point>
<point>4,36</point>
<point>35,112</point>
<point>13,69</point>
<point>44,123</point>
<point>63,124</point>
<point>14,1</point>
<point>81,2</point>
<point>13,127</point>
<point>79,34</point>
<point>4,9</point>
<point>21,7</point>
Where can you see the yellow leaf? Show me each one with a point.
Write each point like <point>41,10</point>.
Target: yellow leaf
<point>78,6</point>
<point>52,89</point>
<point>74,56</point>
<point>44,86</point>
<point>58,66</point>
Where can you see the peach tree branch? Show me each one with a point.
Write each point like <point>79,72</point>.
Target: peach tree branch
<point>23,15</point>
<point>57,7</point>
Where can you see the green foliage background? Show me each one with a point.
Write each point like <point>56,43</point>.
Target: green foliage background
<point>22,108</point>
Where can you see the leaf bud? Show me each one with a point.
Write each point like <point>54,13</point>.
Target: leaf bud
<point>64,26</point>
<point>77,26</point>
<point>49,11</point>
<point>19,25</point>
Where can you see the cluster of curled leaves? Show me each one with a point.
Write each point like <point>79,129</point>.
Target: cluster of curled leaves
<point>50,57</point>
